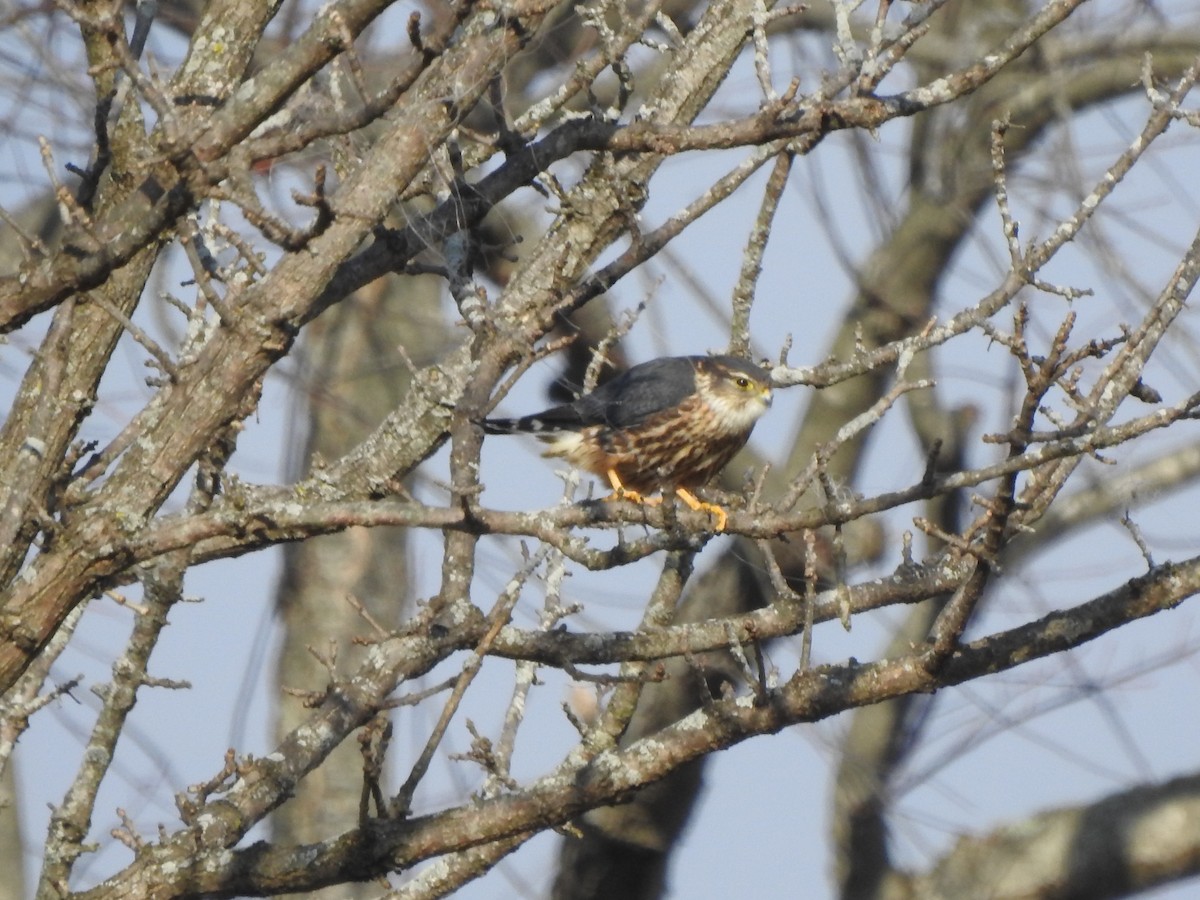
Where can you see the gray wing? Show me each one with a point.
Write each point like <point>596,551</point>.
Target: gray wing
<point>627,400</point>
<point>637,394</point>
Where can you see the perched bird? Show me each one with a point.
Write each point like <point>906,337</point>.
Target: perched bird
<point>668,424</point>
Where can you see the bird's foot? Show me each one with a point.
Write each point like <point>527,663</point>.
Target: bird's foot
<point>720,517</point>
<point>620,492</point>
<point>623,493</point>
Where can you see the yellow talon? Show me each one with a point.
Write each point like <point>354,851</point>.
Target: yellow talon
<point>620,492</point>
<point>718,514</point>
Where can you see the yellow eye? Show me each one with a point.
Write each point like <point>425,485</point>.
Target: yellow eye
<point>743,382</point>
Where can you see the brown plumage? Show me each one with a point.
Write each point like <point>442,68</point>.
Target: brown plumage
<point>668,424</point>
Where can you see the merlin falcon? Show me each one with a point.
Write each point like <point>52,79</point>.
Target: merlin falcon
<point>666,425</point>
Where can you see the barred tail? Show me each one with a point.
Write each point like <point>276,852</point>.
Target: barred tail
<point>523,425</point>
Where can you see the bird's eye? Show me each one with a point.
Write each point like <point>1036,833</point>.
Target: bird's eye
<point>743,382</point>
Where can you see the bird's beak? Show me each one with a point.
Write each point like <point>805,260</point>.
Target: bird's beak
<point>767,396</point>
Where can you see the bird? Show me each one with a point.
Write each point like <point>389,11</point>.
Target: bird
<point>669,424</point>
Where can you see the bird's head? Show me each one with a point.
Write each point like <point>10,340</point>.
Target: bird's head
<point>736,390</point>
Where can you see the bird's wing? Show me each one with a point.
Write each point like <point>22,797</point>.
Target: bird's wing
<point>626,401</point>
<point>635,395</point>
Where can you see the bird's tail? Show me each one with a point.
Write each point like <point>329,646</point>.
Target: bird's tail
<point>523,425</point>
<point>549,421</point>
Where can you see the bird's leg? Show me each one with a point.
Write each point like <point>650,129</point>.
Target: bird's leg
<point>718,514</point>
<point>621,492</point>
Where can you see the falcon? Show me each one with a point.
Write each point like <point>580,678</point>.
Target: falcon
<point>666,425</point>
